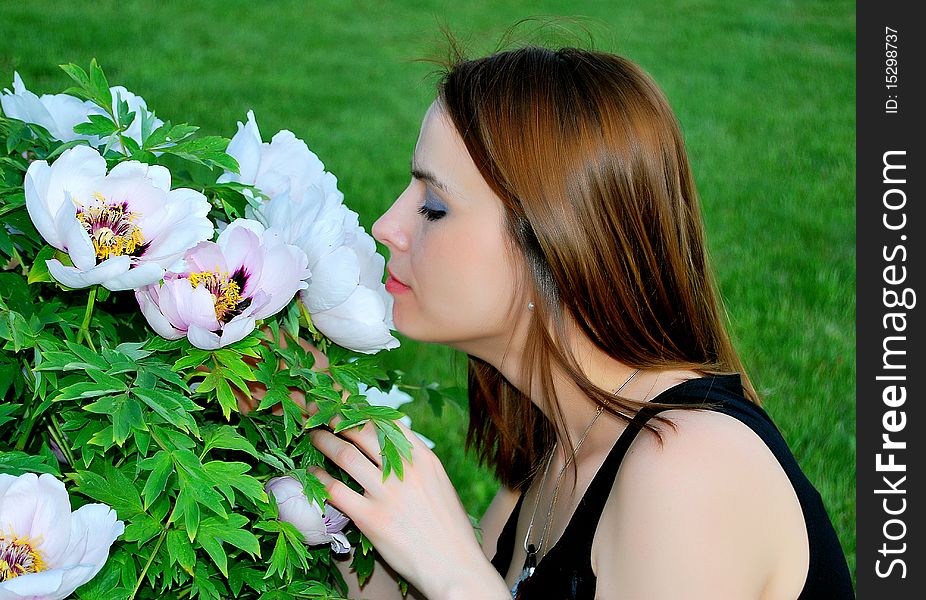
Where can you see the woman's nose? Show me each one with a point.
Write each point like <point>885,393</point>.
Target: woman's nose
<point>390,229</point>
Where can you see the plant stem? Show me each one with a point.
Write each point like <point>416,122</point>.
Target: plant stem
<point>60,439</point>
<point>141,576</point>
<point>31,381</point>
<point>84,333</point>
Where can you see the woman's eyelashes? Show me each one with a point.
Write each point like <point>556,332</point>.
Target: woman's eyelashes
<point>432,209</point>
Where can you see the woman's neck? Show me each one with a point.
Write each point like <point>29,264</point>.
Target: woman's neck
<point>576,410</point>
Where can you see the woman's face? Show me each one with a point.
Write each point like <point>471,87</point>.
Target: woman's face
<point>450,269</point>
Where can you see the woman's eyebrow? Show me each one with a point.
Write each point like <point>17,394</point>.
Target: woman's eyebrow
<point>425,175</point>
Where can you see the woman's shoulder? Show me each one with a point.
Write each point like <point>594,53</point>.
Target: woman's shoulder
<point>708,487</point>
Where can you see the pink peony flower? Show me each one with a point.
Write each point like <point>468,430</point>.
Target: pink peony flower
<point>248,274</point>
<point>318,525</point>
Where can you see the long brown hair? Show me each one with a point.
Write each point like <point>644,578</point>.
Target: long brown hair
<point>588,160</point>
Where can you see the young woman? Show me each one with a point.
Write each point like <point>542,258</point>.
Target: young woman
<point>552,232</point>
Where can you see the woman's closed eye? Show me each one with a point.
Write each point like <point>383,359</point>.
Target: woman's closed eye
<point>432,209</point>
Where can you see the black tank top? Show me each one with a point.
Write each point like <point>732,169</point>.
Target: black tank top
<point>565,572</point>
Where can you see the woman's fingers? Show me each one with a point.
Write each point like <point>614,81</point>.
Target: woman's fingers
<point>349,457</point>
<point>340,495</point>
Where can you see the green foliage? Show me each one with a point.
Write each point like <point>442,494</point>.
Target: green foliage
<point>345,80</point>
<point>153,428</point>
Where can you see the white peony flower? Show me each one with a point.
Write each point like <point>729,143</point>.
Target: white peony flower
<point>284,165</point>
<point>47,551</point>
<point>121,230</point>
<point>394,399</point>
<point>138,106</point>
<point>248,274</point>
<point>345,296</point>
<point>60,113</point>
<point>317,525</point>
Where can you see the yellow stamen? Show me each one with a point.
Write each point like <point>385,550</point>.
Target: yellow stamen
<point>226,291</point>
<point>111,227</point>
<point>19,556</point>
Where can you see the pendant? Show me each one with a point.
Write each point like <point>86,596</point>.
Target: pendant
<point>530,565</point>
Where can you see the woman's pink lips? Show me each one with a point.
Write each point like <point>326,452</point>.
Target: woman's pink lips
<point>394,286</point>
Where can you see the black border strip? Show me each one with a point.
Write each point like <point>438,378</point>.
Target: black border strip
<point>890,171</point>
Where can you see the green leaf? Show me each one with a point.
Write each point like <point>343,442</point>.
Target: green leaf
<point>163,372</point>
<point>77,74</point>
<point>126,418</point>
<point>208,151</point>
<point>98,125</point>
<point>292,418</point>
<point>278,560</point>
<point>169,406</point>
<point>115,489</point>
<point>7,409</point>
<point>394,446</point>
<point>88,356</point>
<point>233,361</point>
<point>168,134</point>
<point>226,437</point>
<point>161,466</point>
<point>195,480</point>
<point>214,532</point>
<point>180,550</point>
<point>296,542</point>
<point>232,474</point>
<point>363,564</point>
<point>193,358</point>
<point>213,548</point>
<point>239,574</point>
<point>100,87</point>
<point>38,273</point>
<point>188,508</point>
<point>65,146</point>
<point>141,529</point>
<point>313,488</point>
<point>226,398</point>
<point>205,585</point>
<point>85,389</point>
<point>16,463</point>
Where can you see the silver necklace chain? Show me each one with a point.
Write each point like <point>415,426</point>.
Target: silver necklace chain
<point>559,479</point>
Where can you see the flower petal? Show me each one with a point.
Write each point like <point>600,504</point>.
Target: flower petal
<point>244,147</point>
<point>184,305</point>
<point>237,329</point>
<point>138,276</point>
<point>181,225</point>
<point>360,323</point>
<point>75,278</point>
<point>73,177</point>
<point>205,256</point>
<point>203,338</point>
<point>36,187</point>
<point>94,528</point>
<point>334,279</point>
<point>36,507</point>
<point>339,543</point>
<point>43,585</point>
<point>74,237</point>
<point>153,315</point>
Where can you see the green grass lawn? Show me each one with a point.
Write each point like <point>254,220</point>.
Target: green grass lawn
<point>765,92</point>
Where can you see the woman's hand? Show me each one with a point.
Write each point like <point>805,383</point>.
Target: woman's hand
<point>417,524</point>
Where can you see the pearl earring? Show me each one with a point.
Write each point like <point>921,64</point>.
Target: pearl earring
<point>530,306</point>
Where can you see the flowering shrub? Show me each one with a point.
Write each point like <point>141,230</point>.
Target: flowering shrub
<point>132,399</point>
